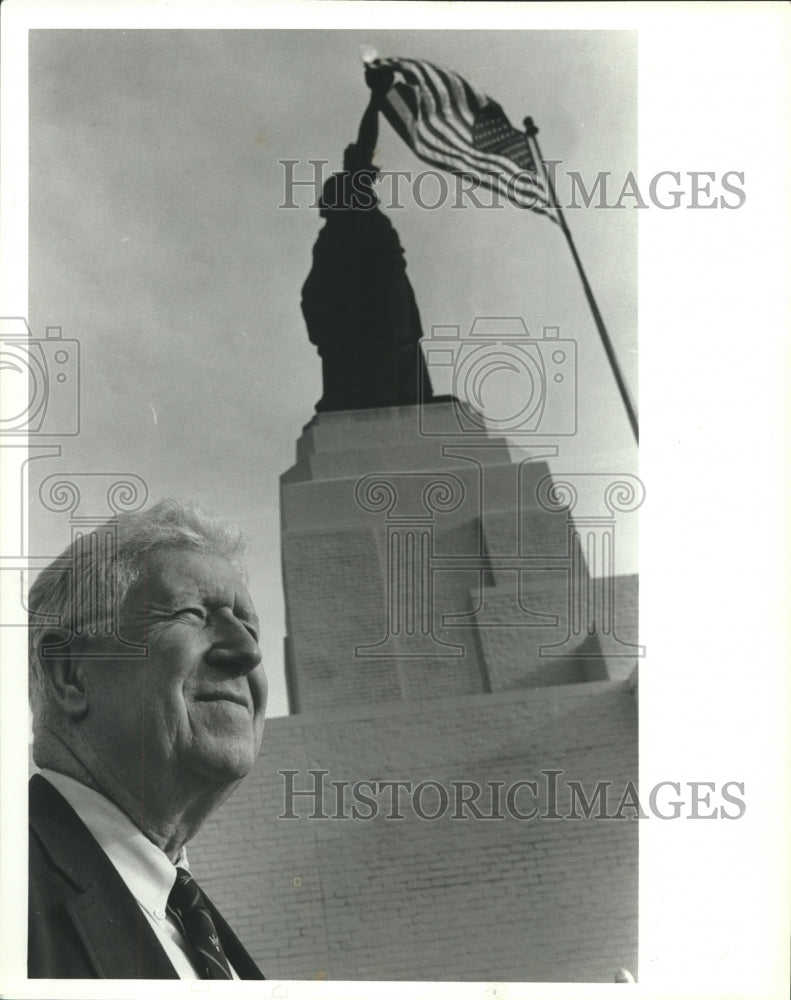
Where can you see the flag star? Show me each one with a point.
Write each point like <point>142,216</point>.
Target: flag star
<point>478,140</point>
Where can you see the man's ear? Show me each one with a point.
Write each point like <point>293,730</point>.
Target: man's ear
<point>64,670</point>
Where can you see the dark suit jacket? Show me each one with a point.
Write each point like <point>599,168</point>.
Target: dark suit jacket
<point>83,922</point>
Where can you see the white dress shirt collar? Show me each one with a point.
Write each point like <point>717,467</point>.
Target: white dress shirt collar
<point>147,870</point>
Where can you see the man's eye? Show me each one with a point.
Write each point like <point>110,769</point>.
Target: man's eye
<point>193,612</point>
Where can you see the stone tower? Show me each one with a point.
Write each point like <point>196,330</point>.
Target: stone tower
<point>460,662</point>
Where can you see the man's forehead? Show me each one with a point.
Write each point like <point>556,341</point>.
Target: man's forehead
<point>175,572</point>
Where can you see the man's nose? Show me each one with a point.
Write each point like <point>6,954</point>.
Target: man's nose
<point>235,648</point>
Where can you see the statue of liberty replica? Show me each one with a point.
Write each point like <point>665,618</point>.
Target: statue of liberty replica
<point>358,304</point>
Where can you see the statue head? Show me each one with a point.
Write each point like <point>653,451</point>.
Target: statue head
<point>351,188</point>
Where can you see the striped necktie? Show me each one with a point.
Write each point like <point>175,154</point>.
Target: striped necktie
<point>188,906</point>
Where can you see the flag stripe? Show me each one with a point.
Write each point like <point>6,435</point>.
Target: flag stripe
<point>528,198</point>
<point>512,188</point>
<point>489,159</point>
<point>489,162</point>
<point>451,125</point>
<point>461,160</point>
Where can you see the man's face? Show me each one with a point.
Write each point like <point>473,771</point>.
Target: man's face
<point>191,713</point>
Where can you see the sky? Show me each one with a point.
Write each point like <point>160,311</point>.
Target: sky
<point>158,241</point>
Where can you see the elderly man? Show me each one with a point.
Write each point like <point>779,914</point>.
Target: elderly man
<point>137,746</point>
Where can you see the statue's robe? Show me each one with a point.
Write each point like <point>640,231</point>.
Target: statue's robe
<point>361,313</point>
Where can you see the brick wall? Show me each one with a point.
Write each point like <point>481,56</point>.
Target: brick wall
<point>413,899</point>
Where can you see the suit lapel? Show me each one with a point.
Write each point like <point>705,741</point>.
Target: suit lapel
<point>116,934</point>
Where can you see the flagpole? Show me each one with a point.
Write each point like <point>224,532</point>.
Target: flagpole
<point>531,131</point>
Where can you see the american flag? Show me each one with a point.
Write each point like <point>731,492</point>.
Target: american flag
<point>450,124</point>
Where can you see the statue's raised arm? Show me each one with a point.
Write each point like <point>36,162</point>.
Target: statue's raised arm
<point>358,304</point>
